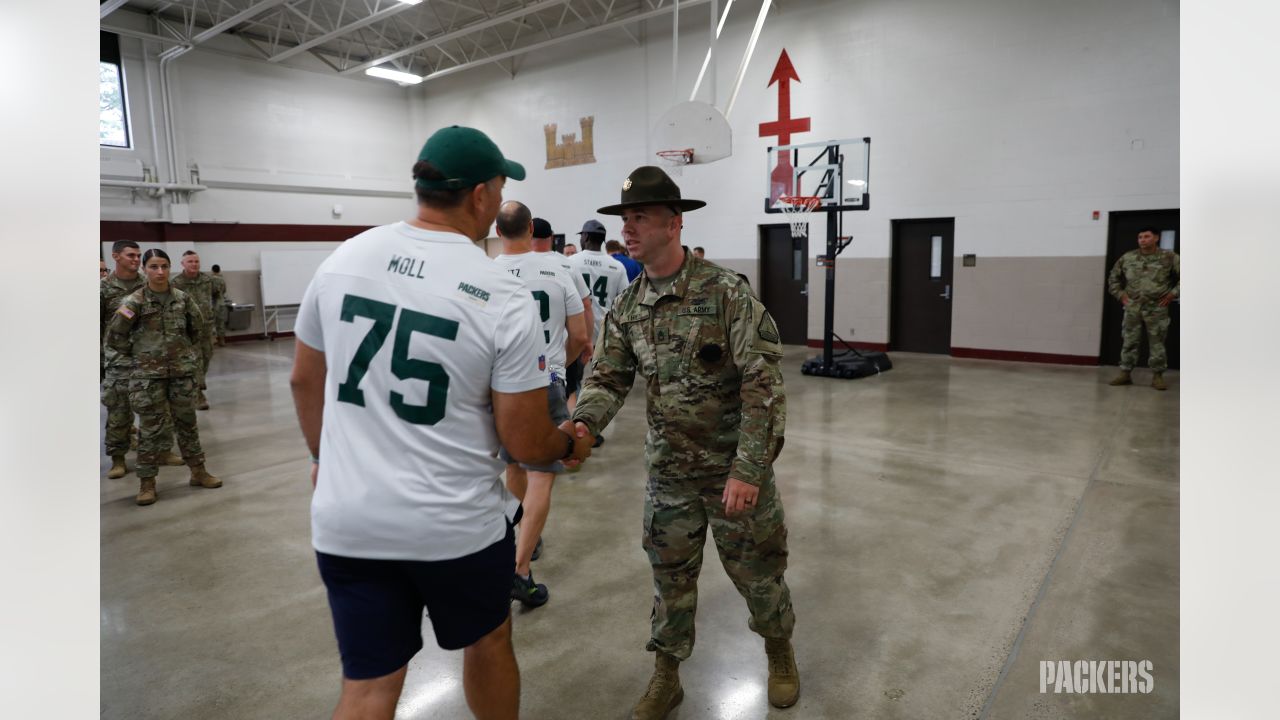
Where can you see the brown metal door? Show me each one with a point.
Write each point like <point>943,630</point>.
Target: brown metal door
<point>920,311</point>
<point>1122,236</point>
<point>784,281</point>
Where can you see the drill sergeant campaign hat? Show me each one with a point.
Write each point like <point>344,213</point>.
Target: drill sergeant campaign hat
<point>466,157</point>
<point>649,185</point>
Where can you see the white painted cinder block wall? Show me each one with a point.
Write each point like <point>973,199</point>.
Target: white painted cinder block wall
<point>1016,117</point>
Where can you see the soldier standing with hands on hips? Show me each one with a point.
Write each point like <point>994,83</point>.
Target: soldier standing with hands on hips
<point>708,352</point>
<point>1143,280</point>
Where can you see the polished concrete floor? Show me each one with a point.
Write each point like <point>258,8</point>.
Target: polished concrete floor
<point>953,523</point>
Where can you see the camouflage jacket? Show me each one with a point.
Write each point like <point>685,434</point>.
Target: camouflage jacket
<point>708,352</point>
<point>163,337</point>
<point>1145,278</point>
<point>219,290</point>
<point>201,288</point>
<point>113,291</point>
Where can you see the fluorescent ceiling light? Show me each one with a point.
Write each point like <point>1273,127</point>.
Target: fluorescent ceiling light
<point>858,183</point>
<point>401,77</point>
<point>410,2</point>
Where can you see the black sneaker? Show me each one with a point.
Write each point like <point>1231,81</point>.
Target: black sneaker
<point>599,441</point>
<point>537,550</point>
<point>528,592</point>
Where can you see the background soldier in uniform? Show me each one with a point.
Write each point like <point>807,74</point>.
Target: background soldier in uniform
<point>161,330</point>
<point>1144,281</point>
<point>200,287</point>
<point>220,306</point>
<point>708,352</point>
<point>121,283</point>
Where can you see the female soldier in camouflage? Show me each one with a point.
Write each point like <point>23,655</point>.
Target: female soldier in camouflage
<point>164,332</point>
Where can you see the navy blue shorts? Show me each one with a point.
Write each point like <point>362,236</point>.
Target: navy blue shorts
<point>377,604</point>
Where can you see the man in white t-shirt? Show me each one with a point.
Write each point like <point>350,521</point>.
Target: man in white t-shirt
<point>416,358</point>
<point>605,277</point>
<point>555,295</point>
<point>543,237</point>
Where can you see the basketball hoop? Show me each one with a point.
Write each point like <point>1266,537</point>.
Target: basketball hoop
<point>798,208</point>
<point>675,160</point>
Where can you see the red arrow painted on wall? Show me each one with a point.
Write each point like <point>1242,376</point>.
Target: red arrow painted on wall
<point>782,128</point>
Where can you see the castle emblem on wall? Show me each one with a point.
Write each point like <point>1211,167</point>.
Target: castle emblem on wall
<point>570,150</point>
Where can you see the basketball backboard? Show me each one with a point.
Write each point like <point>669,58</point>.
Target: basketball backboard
<point>695,126</point>
<point>835,171</point>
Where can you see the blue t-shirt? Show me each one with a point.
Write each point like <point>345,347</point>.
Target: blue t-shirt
<point>633,267</point>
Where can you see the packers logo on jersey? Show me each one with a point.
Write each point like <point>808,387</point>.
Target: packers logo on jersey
<point>473,291</point>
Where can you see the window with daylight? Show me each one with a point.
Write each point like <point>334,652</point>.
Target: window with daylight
<point>113,115</point>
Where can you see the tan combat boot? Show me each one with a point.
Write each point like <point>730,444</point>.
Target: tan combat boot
<point>147,493</point>
<point>172,459</point>
<point>1157,382</point>
<point>784,678</point>
<point>201,478</point>
<point>1124,378</point>
<point>118,468</point>
<point>664,692</point>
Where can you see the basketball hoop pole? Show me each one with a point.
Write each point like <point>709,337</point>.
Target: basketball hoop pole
<point>829,315</point>
<point>835,246</point>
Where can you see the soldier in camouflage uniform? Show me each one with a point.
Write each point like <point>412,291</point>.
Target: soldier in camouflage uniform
<point>1145,281</point>
<point>201,288</point>
<point>164,332</point>
<point>115,369</point>
<point>220,306</point>
<point>708,353</point>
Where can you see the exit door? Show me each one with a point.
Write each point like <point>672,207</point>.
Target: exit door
<point>784,282</point>
<point>920,310</point>
<point>1122,236</point>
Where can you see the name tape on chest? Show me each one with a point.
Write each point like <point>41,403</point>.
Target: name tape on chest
<point>697,310</point>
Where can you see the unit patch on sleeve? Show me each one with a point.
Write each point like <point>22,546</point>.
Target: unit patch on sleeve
<point>767,330</point>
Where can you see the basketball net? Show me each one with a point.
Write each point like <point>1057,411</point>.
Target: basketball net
<point>675,160</point>
<point>798,209</point>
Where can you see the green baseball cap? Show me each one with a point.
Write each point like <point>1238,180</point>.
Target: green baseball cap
<point>466,157</point>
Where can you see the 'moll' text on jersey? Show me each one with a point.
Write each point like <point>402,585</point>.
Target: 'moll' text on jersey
<point>412,267</point>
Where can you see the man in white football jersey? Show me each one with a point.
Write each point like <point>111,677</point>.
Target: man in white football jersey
<point>605,277</point>
<point>543,238</point>
<point>555,296</point>
<point>416,358</point>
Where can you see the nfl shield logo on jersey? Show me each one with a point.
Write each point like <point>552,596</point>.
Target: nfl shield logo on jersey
<point>542,362</point>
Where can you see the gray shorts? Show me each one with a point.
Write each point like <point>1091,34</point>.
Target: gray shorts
<point>559,411</point>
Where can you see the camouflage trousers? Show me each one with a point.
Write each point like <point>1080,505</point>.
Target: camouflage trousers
<point>115,396</point>
<point>1156,320</point>
<point>752,547</point>
<point>165,407</point>
<point>204,367</point>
